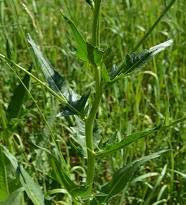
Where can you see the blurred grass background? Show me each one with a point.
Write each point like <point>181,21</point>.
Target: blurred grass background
<point>134,104</point>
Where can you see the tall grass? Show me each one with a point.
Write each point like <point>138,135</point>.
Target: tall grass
<point>142,101</point>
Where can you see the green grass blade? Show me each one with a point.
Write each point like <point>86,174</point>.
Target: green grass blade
<point>154,25</point>
<point>3,178</point>
<point>109,148</point>
<point>8,50</point>
<point>17,99</point>
<point>152,193</point>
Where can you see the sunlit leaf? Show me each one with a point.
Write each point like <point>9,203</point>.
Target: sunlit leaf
<point>120,179</point>
<point>85,51</point>
<point>138,60</point>
<point>73,103</point>
<point>112,147</point>
<point>135,61</point>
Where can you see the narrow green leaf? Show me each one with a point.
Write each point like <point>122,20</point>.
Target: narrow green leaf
<point>85,51</point>
<point>136,61</point>
<point>3,178</point>
<point>8,50</point>
<point>109,148</point>
<point>14,198</point>
<point>154,189</point>
<point>120,179</point>
<point>17,99</point>
<point>33,191</point>
<point>111,140</point>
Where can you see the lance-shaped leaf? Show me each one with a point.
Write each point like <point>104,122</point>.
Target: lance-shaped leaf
<point>84,50</point>
<point>135,61</point>
<point>34,192</point>
<point>120,180</point>
<point>138,60</point>
<point>109,148</point>
<point>74,104</point>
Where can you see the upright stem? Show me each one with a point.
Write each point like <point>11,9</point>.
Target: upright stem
<point>89,124</point>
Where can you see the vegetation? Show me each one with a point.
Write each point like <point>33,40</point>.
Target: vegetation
<point>122,141</point>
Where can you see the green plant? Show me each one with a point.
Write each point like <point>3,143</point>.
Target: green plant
<point>88,142</point>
